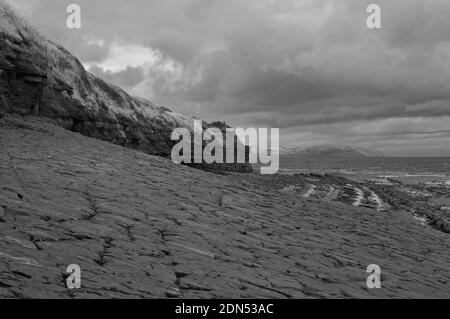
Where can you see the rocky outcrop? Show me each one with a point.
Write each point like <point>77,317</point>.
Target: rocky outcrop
<point>140,226</point>
<point>223,167</point>
<point>41,78</point>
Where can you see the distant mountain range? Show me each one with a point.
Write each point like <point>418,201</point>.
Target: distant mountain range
<point>332,151</point>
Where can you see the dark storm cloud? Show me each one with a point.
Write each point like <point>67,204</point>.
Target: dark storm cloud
<point>327,113</point>
<point>282,63</point>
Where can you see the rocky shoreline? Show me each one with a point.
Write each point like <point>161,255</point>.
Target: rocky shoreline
<point>140,226</point>
<point>420,201</point>
<point>85,180</point>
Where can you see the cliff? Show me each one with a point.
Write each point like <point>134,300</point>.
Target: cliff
<point>39,77</point>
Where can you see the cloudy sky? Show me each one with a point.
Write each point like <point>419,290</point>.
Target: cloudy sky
<point>310,67</point>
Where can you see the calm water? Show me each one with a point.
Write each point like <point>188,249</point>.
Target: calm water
<point>385,165</point>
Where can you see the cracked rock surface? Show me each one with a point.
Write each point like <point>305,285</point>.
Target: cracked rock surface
<point>140,226</point>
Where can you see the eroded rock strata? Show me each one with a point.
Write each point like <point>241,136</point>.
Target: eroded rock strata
<point>39,77</point>
<point>140,226</point>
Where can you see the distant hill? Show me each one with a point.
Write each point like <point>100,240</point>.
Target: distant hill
<point>332,152</point>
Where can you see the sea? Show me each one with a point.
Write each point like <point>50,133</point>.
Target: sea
<point>408,170</point>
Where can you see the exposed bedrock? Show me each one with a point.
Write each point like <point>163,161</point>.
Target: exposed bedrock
<point>38,77</point>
